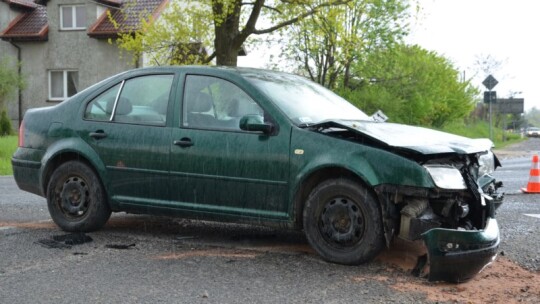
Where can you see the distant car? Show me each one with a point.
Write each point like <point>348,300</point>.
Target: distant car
<point>263,147</point>
<point>533,132</point>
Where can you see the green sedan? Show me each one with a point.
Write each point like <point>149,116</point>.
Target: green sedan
<point>267,148</point>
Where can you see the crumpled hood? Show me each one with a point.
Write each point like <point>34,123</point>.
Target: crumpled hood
<point>422,140</point>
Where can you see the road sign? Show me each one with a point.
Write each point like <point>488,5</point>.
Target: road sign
<point>490,96</point>
<point>490,82</point>
<point>510,105</point>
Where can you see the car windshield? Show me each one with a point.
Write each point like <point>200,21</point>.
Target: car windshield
<point>304,101</point>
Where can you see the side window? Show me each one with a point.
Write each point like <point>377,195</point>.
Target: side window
<point>214,103</point>
<point>101,107</point>
<point>143,100</point>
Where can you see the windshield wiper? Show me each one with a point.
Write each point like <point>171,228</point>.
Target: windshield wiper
<point>305,125</point>
<point>322,125</point>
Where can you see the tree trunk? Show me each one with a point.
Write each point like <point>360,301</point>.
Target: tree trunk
<point>226,54</point>
<point>347,74</point>
<point>227,32</point>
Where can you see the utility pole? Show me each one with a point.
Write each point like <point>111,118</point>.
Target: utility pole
<point>490,97</point>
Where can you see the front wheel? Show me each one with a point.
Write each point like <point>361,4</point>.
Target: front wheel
<point>76,199</point>
<point>342,222</point>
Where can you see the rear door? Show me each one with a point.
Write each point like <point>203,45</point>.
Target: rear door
<point>127,127</point>
<point>218,168</point>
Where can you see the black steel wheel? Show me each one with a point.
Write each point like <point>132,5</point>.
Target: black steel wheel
<point>76,199</point>
<point>343,223</point>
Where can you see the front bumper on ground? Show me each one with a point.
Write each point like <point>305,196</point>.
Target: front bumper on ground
<point>457,256</point>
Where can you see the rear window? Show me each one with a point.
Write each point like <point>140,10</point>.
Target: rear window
<point>140,100</point>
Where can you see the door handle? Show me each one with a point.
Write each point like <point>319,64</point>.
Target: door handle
<point>184,142</point>
<point>99,134</point>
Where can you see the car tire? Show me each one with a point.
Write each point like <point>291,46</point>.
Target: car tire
<point>342,222</point>
<point>76,199</point>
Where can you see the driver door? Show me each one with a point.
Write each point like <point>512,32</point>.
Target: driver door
<point>218,168</point>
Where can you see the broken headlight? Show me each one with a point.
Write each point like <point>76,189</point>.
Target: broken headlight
<point>446,177</point>
<point>486,163</point>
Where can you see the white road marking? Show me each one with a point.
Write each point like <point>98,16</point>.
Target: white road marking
<point>533,215</point>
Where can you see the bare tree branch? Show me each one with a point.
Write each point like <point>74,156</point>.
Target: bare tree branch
<point>264,6</point>
<point>210,58</point>
<point>302,16</point>
<point>250,24</point>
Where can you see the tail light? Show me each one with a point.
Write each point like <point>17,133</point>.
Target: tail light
<point>21,134</point>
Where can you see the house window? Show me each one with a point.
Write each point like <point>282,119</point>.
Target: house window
<point>100,10</point>
<point>63,84</point>
<point>73,17</point>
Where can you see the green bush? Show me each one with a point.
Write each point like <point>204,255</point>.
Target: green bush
<point>5,124</point>
<point>8,145</point>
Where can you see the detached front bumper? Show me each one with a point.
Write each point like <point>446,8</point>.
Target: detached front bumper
<point>457,256</point>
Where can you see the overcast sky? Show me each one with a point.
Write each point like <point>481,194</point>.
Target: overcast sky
<point>462,30</point>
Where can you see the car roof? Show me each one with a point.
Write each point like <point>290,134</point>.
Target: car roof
<point>243,71</point>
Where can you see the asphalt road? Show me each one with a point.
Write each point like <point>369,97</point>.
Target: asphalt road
<point>519,216</point>
<point>143,259</point>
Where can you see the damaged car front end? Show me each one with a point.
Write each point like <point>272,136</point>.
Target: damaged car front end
<point>428,185</point>
<point>468,237</point>
<point>455,218</point>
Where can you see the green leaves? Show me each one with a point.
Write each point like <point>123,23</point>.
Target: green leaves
<point>327,44</point>
<point>10,80</point>
<point>187,28</point>
<point>411,85</point>
<point>5,124</point>
<point>533,117</point>
<point>178,36</point>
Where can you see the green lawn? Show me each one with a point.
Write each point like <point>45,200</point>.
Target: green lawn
<point>481,130</point>
<point>8,145</point>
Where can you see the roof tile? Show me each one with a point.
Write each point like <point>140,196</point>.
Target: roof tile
<point>114,3</point>
<point>31,25</point>
<point>128,17</point>
<point>28,4</point>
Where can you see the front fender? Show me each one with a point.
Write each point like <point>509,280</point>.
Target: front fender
<point>315,156</point>
<point>374,166</point>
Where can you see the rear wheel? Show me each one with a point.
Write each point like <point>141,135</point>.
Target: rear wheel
<point>342,222</point>
<point>76,199</point>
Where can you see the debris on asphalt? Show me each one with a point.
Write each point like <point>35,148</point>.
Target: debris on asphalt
<point>120,246</point>
<point>179,238</point>
<point>419,269</point>
<point>48,243</point>
<point>65,241</point>
<point>73,238</point>
<point>205,295</point>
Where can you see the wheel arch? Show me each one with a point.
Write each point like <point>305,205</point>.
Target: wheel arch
<point>69,150</point>
<point>314,178</point>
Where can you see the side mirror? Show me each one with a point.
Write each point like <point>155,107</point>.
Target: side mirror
<point>253,122</point>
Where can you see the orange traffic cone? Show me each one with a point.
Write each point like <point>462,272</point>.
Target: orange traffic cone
<point>534,180</point>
